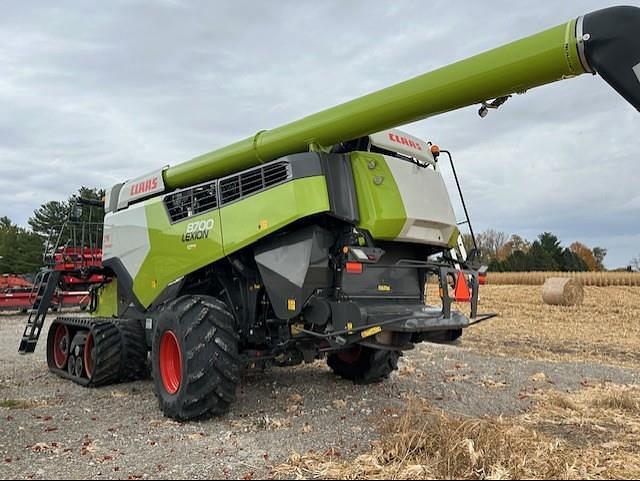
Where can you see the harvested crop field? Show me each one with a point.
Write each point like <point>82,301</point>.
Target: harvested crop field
<point>542,391</point>
<point>605,328</point>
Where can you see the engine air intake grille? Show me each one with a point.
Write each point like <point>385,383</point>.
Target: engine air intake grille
<point>253,181</point>
<point>193,201</point>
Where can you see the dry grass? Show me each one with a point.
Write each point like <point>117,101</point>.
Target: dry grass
<point>605,328</point>
<point>600,279</point>
<point>593,434</point>
<point>590,434</point>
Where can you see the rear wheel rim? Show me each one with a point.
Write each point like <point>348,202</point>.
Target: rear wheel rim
<point>61,341</point>
<point>88,356</point>
<point>170,362</point>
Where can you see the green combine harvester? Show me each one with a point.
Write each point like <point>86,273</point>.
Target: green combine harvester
<point>312,240</point>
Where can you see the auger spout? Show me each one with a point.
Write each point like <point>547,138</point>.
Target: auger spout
<point>606,42</point>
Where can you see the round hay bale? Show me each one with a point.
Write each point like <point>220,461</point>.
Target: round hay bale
<point>562,291</point>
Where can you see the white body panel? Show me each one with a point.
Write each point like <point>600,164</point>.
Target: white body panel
<point>144,186</point>
<point>430,216</point>
<point>126,237</point>
<point>398,141</point>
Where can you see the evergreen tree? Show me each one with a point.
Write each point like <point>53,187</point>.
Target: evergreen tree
<point>52,215</point>
<point>20,250</point>
<point>551,244</point>
<point>542,257</point>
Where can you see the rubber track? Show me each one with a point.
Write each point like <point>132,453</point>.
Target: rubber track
<point>108,350</point>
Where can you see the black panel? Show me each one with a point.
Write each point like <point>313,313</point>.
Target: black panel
<point>613,49</point>
<point>306,164</point>
<point>293,266</point>
<point>341,187</point>
<point>386,279</point>
<point>254,180</point>
<point>192,201</point>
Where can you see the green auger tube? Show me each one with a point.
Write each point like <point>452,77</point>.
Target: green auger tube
<point>604,42</point>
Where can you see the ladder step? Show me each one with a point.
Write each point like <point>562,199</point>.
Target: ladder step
<point>27,346</point>
<point>46,285</point>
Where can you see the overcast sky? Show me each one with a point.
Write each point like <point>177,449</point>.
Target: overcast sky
<point>93,93</point>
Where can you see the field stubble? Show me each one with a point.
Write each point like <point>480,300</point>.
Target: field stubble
<point>593,433</point>
<point>605,328</point>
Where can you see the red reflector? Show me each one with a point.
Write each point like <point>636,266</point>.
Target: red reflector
<point>354,268</point>
<point>462,292</point>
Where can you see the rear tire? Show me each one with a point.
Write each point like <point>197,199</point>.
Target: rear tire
<point>194,358</point>
<point>134,350</point>
<point>364,365</point>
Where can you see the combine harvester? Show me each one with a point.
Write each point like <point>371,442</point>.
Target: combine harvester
<point>311,240</point>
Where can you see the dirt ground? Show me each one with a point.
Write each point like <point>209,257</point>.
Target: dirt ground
<point>516,367</point>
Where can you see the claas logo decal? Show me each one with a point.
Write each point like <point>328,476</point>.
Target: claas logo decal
<point>144,186</point>
<point>197,230</point>
<point>399,139</point>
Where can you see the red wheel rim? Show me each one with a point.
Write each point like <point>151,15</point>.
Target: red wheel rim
<point>61,341</point>
<point>170,362</point>
<point>87,355</point>
<point>350,356</point>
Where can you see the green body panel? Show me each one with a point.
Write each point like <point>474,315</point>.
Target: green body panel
<point>453,240</point>
<point>252,218</point>
<point>380,204</point>
<point>171,256</point>
<point>540,59</point>
<point>107,300</point>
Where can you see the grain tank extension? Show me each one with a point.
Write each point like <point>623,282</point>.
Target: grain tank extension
<point>311,240</point>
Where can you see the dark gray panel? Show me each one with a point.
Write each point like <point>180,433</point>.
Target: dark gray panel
<point>293,266</point>
<point>306,164</point>
<point>341,187</point>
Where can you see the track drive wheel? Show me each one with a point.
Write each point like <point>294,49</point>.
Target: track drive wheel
<point>194,358</point>
<point>364,365</point>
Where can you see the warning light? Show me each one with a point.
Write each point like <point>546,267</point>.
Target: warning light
<point>354,268</point>
<point>435,150</point>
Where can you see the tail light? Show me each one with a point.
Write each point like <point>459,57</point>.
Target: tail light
<point>353,268</point>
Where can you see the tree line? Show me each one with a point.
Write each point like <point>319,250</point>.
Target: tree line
<point>21,249</point>
<point>504,253</point>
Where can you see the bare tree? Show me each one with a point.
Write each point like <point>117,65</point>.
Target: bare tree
<point>490,242</point>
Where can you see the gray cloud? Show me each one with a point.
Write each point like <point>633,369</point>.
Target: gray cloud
<point>94,93</point>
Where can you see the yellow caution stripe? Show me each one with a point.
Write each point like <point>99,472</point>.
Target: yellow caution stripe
<point>372,331</point>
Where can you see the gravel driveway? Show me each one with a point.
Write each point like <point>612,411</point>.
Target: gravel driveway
<point>51,428</point>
